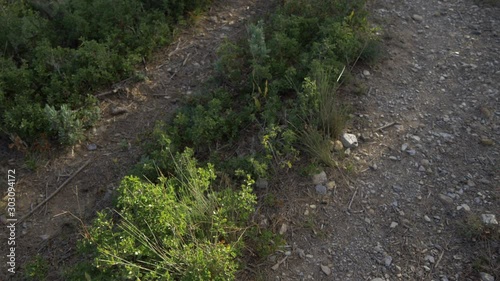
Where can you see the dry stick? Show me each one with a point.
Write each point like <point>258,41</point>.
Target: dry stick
<point>386,126</point>
<point>352,199</point>
<point>54,193</point>
<point>439,259</point>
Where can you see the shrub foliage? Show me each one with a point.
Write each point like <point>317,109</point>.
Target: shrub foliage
<point>276,92</point>
<point>56,54</point>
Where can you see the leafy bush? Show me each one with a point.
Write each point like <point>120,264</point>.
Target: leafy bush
<point>178,229</point>
<point>55,54</point>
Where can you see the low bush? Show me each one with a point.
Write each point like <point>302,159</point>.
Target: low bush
<point>177,229</point>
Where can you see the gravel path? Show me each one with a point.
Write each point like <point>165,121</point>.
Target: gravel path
<point>422,203</point>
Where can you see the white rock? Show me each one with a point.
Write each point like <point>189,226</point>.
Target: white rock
<point>489,219</point>
<point>366,72</point>
<point>394,224</point>
<point>486,276</point>
<point>349,140</point>
<point>378,279</point>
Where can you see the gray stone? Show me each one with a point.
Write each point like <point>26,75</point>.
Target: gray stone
<point>417,18</point>
<point>427,219</point>
<point>321,189</point>
<point>378,279</point>
<point>464,207</point>
<point>91,146</point>
<point>425,162</point>
<point>445,199</point>
<point>326,270</point>
<point>486,276</point>
<point>489,219</point>
<point>394,224</point>
<point>429,258</point>
<point>349,140</point>
<point>411,152</point>
<point>388,261</point>
<point>404,147</point>
<point>366,72</point>
<point>320,178</point>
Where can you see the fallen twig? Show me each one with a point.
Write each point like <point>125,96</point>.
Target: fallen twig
<point>386,126</point>
<point>352,198</point>
<point>439,259</point>
<point>54,193</point>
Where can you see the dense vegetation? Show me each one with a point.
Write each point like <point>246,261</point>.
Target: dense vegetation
<point>56,54</point>
<point>177,216</point>
<point>186,211</point>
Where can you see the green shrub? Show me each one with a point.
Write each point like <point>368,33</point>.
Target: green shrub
<point>57,53</point>
<point>178,229</point>
<point>205,125</point>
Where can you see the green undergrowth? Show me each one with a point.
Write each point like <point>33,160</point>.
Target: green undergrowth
<point>56,54</point>
<point>187,210</point>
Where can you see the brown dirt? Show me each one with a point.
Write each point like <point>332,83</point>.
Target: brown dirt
<point>440,82</point>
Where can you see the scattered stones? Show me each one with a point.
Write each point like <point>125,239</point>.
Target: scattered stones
<point>489,219</point>
<point>321,189</point>
<point>320,178</point>
<point>486,276</point>
<point>349,140</point>
<point>326,270</point>
<point>417,18</point>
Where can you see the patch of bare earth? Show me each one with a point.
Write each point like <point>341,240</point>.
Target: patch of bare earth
<point>427,168</point>
<point>114,146</point>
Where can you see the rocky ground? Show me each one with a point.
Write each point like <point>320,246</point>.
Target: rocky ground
<point>418,199</point>
<point>421,203</point>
